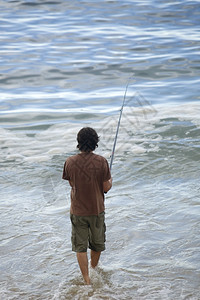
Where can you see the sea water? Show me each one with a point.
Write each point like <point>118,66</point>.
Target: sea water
<point>65,65</point>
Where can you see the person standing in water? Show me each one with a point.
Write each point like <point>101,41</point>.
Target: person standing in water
<point>89,177</point>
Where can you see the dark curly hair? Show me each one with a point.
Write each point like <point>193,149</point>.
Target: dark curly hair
<point>87,139</point>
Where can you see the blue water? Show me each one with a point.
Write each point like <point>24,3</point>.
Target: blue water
<point>67,64</point>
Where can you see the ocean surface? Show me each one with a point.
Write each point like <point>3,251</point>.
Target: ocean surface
<point>65,65</point>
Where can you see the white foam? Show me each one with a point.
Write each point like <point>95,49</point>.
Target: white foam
<point>69,94</point>
<point>136,131</point>
<point>36,111</point>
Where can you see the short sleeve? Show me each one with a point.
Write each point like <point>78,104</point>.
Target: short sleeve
<point>107,174</point>
<point>65,172</point>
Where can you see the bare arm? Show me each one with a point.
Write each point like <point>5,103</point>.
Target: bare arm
<point>107,185</point>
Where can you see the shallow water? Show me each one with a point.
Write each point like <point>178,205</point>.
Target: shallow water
<point>65,65</point>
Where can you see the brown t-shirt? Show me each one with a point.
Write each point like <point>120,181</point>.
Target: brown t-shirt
<point>86,173</point>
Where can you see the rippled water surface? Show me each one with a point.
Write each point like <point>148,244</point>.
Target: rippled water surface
<point>65,65</point>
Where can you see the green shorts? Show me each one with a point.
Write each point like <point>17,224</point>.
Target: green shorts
<point>88,232</point>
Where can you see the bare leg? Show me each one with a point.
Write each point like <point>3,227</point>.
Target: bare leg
<point>94,258</point>
<point>83,264</point>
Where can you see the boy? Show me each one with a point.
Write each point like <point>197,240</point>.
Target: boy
<point>89,177</point>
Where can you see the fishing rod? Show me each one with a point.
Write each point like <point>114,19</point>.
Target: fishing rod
<point>116,134</point>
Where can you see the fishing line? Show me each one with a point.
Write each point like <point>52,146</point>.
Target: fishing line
<point>116,134</point>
